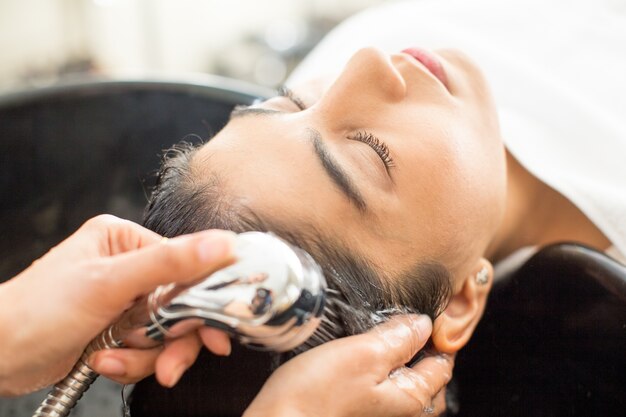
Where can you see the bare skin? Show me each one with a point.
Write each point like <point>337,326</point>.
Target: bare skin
<point>448,168</point>
<point>538,215</point>
<point>452,193</point>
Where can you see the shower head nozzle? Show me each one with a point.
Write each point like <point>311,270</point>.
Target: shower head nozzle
<point>271,298</point>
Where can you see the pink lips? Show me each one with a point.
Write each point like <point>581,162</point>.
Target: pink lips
<point>430,61</point>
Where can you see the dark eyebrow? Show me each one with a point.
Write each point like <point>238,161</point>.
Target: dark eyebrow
<point>330,165</point>
<point>335,172</point>
<point>242,111</point>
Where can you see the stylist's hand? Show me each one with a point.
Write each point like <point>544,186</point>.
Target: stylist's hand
<point>361,376</point>
<point>53,309</point>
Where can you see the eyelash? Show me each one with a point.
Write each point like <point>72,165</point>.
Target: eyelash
<point>378,145</point>
<point>372,141</point>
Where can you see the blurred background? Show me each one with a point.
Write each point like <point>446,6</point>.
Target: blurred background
<point>43,41</point>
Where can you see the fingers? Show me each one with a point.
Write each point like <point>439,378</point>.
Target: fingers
<point>215,340</point>
<point>125,366</point>
<point>128,366</point>
<point>178,356</point>
<point>400,338</point>
<point>436,368</point>
<point>423,382</point>
<point>169,362</point>
<point>439,402</point>
<point>182,259</point>
<point>119,235</point>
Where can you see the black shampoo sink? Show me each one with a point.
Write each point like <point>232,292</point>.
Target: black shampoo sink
<point>76,150</point>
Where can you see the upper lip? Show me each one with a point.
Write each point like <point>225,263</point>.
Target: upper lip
<point>429,61</point>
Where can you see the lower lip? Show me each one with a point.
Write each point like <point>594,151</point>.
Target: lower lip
<point>430,61</point>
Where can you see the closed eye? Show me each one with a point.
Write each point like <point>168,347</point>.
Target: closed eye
<point>377,145</point>
<point>369,139</point>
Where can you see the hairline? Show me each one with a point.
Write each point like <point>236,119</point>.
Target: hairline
<point>310,238</point>
<point>235,215</point>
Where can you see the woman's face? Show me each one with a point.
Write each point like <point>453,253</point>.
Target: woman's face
<point>386,158</point>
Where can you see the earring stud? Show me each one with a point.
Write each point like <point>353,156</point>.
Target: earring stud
<point>482,277</point>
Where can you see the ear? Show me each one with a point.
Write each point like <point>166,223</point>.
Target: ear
<point>454,327</point>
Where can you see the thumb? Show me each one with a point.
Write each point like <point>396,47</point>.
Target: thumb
<point>400,338</point>
<point>179,260</point>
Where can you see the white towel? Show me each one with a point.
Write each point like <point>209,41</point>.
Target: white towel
<point>558,73</point>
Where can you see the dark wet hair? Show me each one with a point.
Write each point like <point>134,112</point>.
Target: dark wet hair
<point>185,199</point>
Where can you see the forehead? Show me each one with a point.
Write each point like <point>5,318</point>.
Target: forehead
<point>271,168</point>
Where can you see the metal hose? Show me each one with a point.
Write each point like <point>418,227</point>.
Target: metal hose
<point>66,393</point>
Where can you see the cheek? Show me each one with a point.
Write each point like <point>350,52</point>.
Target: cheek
<point>431,158</point>
<point>477,183</point>
<point>432,187</point>
<point>452,179</point>
<point>481,155</point>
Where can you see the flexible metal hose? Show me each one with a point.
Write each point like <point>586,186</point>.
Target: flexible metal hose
<point>66,393</point>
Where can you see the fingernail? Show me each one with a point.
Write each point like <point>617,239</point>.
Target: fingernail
<point>422,325</point>
<point>111,367</point>
<point>216,247</point>
<point>176,374</point>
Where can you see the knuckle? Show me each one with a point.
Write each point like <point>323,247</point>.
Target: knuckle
<point>102,220</point>
<point>444,362</point>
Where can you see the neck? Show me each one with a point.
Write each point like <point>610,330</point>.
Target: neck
<point>537,215</point>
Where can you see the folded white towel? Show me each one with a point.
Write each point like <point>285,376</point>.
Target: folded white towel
<point>558,74</point>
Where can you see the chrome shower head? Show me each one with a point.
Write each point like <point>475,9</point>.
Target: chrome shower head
<point>271,298</point>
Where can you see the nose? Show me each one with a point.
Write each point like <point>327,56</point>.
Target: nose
<point>369,79</point>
